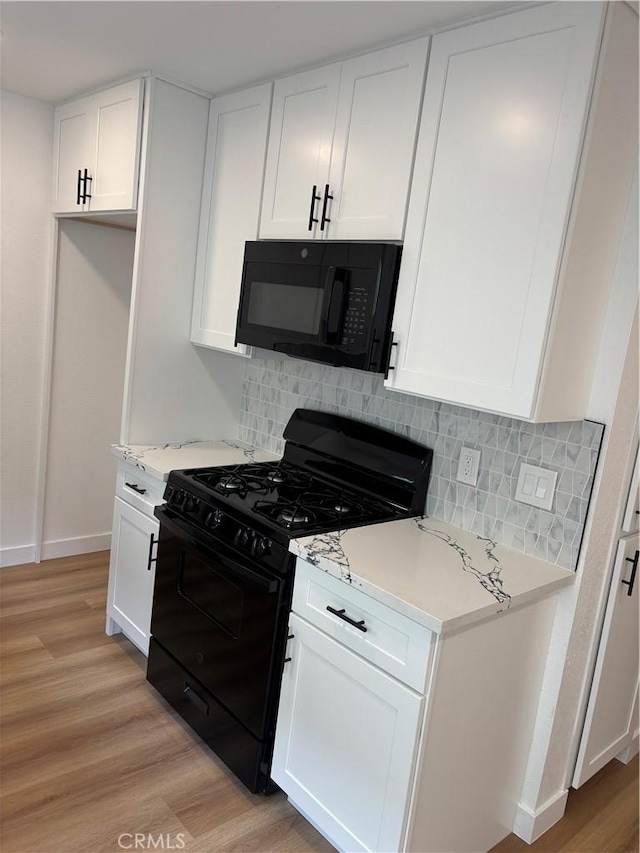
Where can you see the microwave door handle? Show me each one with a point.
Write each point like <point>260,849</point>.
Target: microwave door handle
<point>334,288</point>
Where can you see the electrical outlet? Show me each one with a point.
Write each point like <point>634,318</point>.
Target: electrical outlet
<point>468,465</point>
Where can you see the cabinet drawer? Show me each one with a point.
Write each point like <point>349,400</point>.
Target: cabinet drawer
<point>391,641</point>
<point>138,489</point>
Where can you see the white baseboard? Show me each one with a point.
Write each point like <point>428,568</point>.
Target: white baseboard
<point>17,556</point>
<point>630,751</point>
<point>77,545</point>
<point>530,825</point>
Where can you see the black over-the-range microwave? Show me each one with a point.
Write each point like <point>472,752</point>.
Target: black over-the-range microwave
<point>321,301</point>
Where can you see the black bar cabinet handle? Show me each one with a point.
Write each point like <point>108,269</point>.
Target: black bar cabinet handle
<point>289,637</point>
<point>634,569</point>
<point>325,218</point>
<point>87,177</point>
<point>314,198</point>
<point>78,193</point>
<point>152,542</point>
<point>342,615</point>
<point>390,366</point>
<point>136,488</point>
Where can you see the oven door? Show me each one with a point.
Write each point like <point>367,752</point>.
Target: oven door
<point>223,619</point>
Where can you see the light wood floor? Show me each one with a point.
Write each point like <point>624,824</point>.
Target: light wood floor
<point>91,755</point>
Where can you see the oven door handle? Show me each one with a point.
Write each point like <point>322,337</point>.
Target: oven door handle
<point>186,531</point>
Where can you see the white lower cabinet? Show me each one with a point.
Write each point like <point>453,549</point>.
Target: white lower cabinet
<point>377,765</point>
<point>134,541</point>
<point>345,741</point>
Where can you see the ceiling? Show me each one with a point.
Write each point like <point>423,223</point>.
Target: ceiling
<point>54,51</point>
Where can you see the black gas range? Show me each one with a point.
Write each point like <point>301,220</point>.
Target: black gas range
<point>224,573</point>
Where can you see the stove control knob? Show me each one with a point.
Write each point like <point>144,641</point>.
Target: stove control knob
<point>242,536</point>
<point>262,546</point>
<point>191,503</point>
<point>214,518</point>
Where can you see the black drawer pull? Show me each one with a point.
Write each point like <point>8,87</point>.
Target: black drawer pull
<point>136,488</point>
<point>634,569</point>
<point>342,615</point>
<point>193,697</point>
<point>79,191</point>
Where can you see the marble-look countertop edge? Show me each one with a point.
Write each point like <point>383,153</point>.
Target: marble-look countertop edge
<point>447,626</point>
<point>135,453</point>
<point>475,614</point>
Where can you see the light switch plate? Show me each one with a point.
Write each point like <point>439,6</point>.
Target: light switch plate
<point>536,486</point>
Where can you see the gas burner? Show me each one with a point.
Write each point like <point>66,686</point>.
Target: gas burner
<point>277,477</point>
<point>343,508</point>
<point>291,516</point>
<point>229,483</point>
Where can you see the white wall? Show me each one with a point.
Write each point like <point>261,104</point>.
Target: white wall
<point>25,165</point>
<point>93,291</point>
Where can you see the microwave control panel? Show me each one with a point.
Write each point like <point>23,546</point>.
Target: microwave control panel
<point>354,323</point>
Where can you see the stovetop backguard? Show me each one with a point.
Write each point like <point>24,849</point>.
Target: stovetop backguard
<point>335,473</point>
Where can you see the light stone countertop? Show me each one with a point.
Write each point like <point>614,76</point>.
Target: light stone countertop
<point>438,575</point>
<point>158,460</point>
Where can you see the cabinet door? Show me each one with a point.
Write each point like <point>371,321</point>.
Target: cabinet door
<point>611,722</point>
<point>502,126</point>
<point>631,519</point>
<point>131,572</point>
<point>234,171</point>
<point>374,142</point>
<point>115,146</point>
<point>345,742</point>
<point>298,157</point>
<point>71,153</point>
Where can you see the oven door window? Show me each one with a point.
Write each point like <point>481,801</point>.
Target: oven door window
<point>287,300</point>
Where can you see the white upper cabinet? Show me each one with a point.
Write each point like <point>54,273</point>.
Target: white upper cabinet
<point>503,121</point>
<point>97,151</point>
<point>234,171</point>
<point>70,154</point>
<point>299,153</point>
<point>341,146</point>
<point>374,143</point>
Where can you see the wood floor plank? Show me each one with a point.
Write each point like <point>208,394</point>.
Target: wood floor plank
<point>91,753</point>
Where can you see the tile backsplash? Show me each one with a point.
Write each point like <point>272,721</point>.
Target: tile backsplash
<point>274,388</point>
